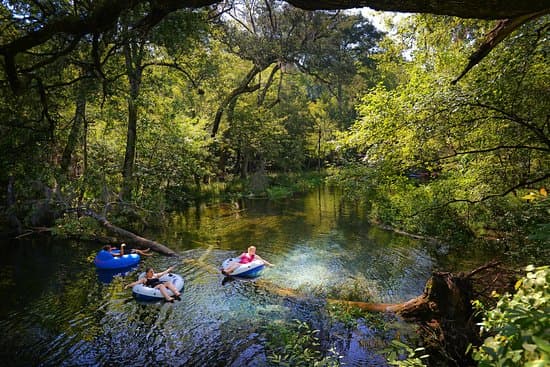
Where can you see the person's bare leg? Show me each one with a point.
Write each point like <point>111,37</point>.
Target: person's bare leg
<point>136,251</point>
<point>165,294</point>
<point>230,268</point>
<point>172,288</point>
<point>141,252</point>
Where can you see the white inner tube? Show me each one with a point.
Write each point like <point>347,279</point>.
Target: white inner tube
<point>242,268</point>
<point>148,292</point>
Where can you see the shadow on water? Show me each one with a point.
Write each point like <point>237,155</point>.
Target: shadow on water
<point>56,310</point>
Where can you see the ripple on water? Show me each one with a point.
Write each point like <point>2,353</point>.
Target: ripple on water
<point>215,323</point>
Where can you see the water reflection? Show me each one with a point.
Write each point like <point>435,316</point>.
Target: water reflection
<point>57,312</point>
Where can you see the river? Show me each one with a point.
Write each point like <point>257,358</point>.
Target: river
<point>55,310</point>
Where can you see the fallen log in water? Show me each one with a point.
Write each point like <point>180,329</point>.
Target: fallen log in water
<point>129,237</point>
<point>443,312</point>
<point>366,306</point>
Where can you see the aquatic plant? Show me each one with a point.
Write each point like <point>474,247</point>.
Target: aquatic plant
<point>297,345</point>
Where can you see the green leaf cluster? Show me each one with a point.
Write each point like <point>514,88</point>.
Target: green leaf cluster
<point>400,354</point>
<point>480,143</point>
<point>519,325</point>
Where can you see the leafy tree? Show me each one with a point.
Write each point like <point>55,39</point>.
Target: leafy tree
<point>518,325</point>
<point>278,42</point>
<point>479,138</point>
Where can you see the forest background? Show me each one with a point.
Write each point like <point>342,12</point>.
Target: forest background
<point>263,99</point>
<point>240,98</point>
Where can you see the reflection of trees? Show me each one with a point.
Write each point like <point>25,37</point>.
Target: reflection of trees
<point>54,300</point>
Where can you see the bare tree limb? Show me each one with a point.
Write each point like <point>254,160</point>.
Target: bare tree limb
<point>173,66</point>
<point>521,184</point>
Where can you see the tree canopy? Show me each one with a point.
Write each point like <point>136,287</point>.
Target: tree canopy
<point>135,112</point>
<point>30,24</point>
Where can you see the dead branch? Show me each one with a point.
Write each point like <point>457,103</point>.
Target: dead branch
<point>128,236</point>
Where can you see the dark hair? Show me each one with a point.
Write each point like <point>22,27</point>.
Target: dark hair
<point>107,247</point>
<point>147,269</point>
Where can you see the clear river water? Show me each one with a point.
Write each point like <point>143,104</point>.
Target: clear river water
<point>56,310</point>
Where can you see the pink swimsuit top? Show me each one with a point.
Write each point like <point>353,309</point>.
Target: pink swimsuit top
<point>245,258</point>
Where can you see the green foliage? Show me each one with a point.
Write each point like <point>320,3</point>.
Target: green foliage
<point>400,354</point>
<point>349,316</point>
<point>83,227</point>
<point>346,315</point>
<point>519,324</point>
<point>296,345</point>
<point>278,192</point>
<point>476,140</point>
<point>285,185</point>
<point>537,224</point>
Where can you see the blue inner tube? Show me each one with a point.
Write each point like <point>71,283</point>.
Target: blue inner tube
<point>105,260</point>
<point>143,293</point>
<point>250,270</point>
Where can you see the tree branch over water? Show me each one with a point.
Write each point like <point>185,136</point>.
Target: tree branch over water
<point>521,184</point>
<point>104,15</point>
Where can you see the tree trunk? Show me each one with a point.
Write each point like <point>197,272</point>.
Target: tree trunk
<point>262,94</point>
<point>85,161</point>
<point>133,56</point>
<point>244,163</point>
<point>13,220</point>
<point>76,128</point>
<point>319,135</point>
<point>130,237</point>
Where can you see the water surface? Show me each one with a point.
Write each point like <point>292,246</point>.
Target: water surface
<point>55,310</point>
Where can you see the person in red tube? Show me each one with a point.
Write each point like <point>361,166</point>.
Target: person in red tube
<point>245,258</point>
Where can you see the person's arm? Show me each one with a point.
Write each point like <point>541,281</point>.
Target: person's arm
<point>158,275</point>
<point>122,249</point>
<point>139,281</point>
<point>265,261</point>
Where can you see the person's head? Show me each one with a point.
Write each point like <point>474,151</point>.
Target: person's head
<point>107,248</point>
<point>252,250</point>
<point>149,272</point>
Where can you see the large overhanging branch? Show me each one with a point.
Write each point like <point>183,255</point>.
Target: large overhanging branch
<point>497,35</point>
<point>488,9</point>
